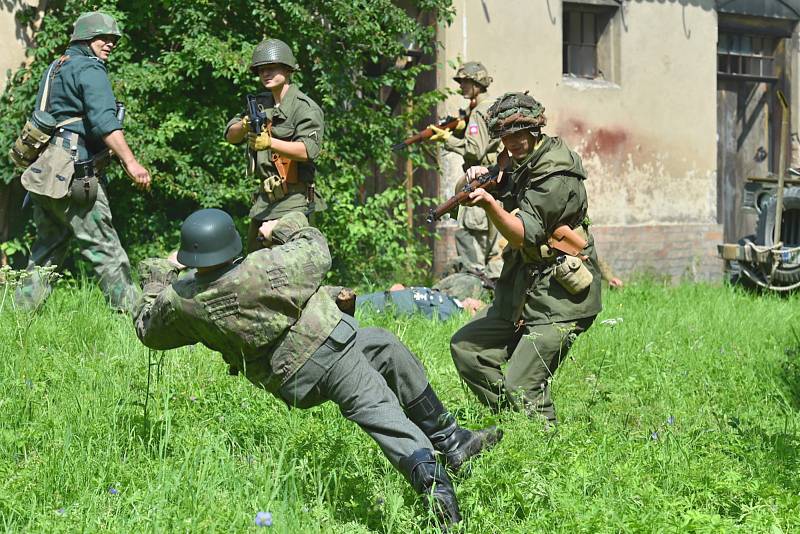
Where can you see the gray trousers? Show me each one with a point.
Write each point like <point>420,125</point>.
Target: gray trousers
<point>57,222</point>
<point>370,375</point>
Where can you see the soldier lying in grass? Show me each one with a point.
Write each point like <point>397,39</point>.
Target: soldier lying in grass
<point>268,316</point>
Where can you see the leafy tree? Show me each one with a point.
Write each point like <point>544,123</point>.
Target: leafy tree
<point>182,72</point>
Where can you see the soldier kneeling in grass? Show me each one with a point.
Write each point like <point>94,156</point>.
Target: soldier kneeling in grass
<point>268,316</point>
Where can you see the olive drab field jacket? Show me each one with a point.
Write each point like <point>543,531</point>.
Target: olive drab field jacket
<point>265,313</point>
<point>296,118</point>
<point>547,188</point>
<point>474,143</point>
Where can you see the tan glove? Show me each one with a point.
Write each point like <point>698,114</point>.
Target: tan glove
<point>259,142</point>
<point>439,134</point>
<point>460,125</point>
<point>245,123</point>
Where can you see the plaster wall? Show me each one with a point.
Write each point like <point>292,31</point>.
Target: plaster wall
<point>12,40</point>
<point>647,135</point>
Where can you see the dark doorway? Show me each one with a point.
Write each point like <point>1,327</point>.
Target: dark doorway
<point>753,63</point>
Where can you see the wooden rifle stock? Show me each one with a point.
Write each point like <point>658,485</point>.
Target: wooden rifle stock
<point>448,123</point>
<point>486,181</point>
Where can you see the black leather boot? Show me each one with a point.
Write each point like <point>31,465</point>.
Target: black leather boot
<point>430,480</point>
<point>457,444</point>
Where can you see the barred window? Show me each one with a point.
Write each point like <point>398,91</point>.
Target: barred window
<point>584,26</point>
<point>746,56</point>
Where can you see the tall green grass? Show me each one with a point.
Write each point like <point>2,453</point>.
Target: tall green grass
<point>679,416</point>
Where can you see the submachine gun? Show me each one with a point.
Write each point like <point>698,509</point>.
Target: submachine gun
<point>256,115</point>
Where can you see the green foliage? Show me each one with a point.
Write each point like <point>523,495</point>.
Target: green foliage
<point>182,71</point>
<point>678,418</point>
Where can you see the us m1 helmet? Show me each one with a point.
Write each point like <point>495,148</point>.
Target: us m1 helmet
<point>93,23</point>
<point>475,71</point>
<point>273,51</point>
<point>513,112</point>
<point>208,237</point>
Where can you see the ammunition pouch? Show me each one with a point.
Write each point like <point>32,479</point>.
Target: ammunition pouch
<point>573,275</point>
<point>274,187</point>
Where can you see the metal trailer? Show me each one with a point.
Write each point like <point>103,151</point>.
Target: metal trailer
<point>770,258</point>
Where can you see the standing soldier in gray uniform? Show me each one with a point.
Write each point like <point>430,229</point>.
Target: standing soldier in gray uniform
<point>271,320</point>
<point>76,92</point>
<point>282,156</point>
<point>477,241</point>
<point>508,353</point>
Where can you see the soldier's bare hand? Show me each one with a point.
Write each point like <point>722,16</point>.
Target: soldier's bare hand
<point>139,175</point>
<point>265,230</point>
<point>173,259</point>
<point>480,197</point>
<point>616,283</point>
<point>477,170</point>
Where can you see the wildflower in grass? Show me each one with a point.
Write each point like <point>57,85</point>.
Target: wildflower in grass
<point>263,519</point>
<point>671,420</point>
<point>113,491</point>
<point>654,435</point>
<point>193,398</point>
<point>61,511</point>
<point>612,322</point>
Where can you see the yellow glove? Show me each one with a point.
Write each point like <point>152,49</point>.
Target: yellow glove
<point>259,142</point>
<point>460,126</point>
<point>439,134</point>
<point>246,123</point>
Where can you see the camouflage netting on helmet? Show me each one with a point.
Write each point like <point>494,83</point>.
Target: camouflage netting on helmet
<point>475,71</point>
<point>513,112</point>
<point>273,51</point>
<point>90,25</point>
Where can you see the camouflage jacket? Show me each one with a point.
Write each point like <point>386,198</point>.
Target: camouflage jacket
<point>474,143</point>
<point>547,190</point>
<point>265,313</point>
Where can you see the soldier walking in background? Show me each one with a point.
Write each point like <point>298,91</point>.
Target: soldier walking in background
<point>77,94</point>
<point>509,352</point>
<point>477,243</point>
<point>282,155</point>
<point>271,320</point>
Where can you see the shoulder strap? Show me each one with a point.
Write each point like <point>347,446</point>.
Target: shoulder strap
<point>45,103</point>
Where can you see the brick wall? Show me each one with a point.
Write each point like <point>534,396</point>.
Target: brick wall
<point>676,251</point>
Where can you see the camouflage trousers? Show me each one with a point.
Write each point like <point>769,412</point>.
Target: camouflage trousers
<point>57,222</point>
<point>370,375</point>
<point>510,368</point>
<point>478,242</point>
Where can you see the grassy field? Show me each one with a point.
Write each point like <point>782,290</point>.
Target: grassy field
<point>680,414</point>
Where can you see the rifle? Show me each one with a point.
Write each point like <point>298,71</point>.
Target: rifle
<point>447,123</point>
<point>486,181</point>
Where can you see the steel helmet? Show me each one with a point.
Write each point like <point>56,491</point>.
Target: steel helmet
<point>208,237</point>
<point>513,112</point>
<point>272,51</point>
<point>475,71</point>
<point>91,24</point>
